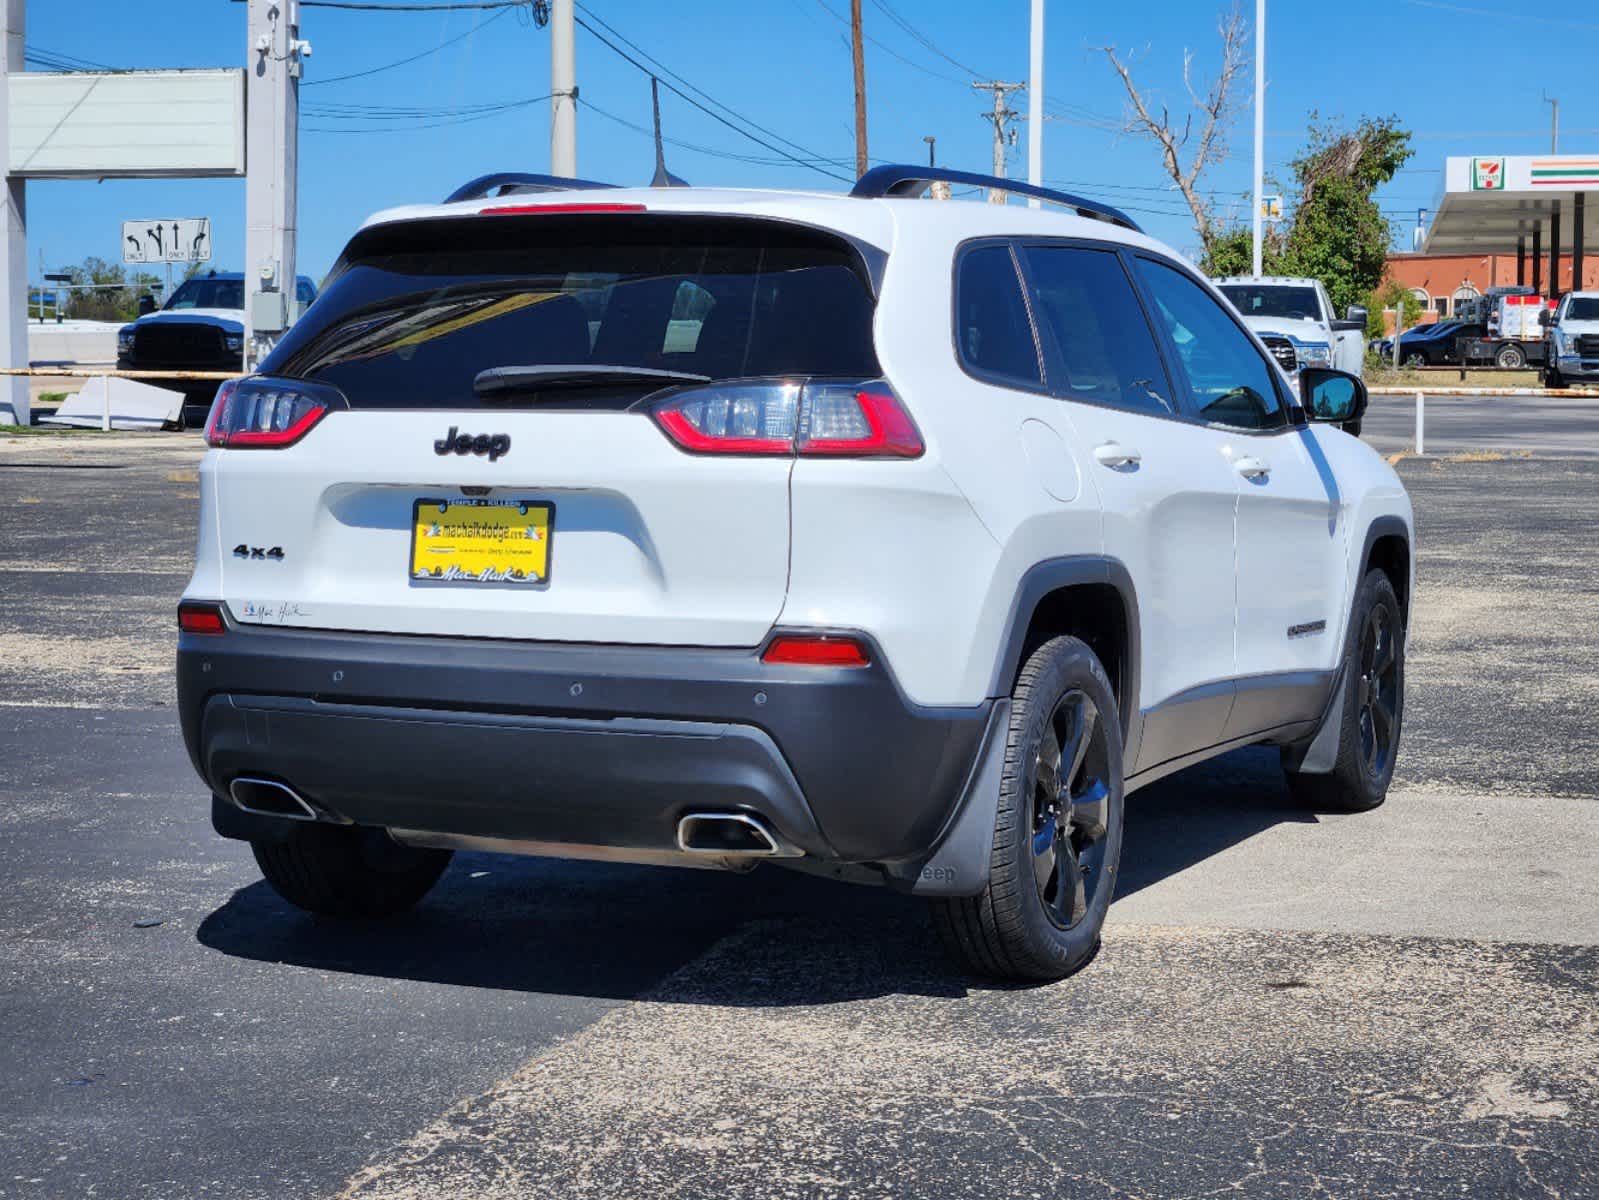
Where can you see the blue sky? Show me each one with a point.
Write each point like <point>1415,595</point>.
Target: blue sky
<point>1454,72</point>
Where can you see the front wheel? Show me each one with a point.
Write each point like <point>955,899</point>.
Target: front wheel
<point>1057,829</point>
<point>348,871</point>
<point>1552,378</point>
<point>1415,359</point>
<point>1373,709</point>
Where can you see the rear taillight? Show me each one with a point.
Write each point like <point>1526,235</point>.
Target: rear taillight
<point>263,413</point>
<point>816,650</point>
<point>855,419</point>
<point>196,617</point>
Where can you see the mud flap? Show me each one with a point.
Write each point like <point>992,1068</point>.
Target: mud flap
<point>1319,755</point>
<point>959,864</point>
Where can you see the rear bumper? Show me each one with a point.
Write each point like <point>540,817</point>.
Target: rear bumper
<point>576,744</point>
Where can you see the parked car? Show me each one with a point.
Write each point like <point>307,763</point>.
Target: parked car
<point>1432,345</point>
<point>199,328</point>
<point>1573,341</point>
<point>1295,319</point>
<point>891,540</point>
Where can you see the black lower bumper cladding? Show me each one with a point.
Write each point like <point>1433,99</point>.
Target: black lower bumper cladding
<point>577,744</point>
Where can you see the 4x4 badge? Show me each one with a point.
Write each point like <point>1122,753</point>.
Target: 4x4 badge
<point>455,442</point>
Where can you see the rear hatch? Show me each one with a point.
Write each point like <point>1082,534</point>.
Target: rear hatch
<point>530,502</point>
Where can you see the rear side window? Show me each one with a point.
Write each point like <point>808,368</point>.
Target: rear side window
<point>1101,349</point>
<point>1229,380</point>
<point>993,334</point>
<point>421,311</point>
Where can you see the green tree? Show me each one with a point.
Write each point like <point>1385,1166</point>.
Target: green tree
<point>1232,252</point>
<point>114,294</point>
<point>1385,298</point>
<point>1337,233</point>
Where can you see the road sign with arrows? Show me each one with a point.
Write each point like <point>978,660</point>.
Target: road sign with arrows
<point>170,240</point>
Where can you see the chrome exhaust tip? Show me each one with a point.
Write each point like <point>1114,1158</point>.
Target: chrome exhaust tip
<point>730,835</point>
<point>269,798</point>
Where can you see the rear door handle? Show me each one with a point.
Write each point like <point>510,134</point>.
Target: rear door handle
<point>1114,455</point>
<point>1252,468</point>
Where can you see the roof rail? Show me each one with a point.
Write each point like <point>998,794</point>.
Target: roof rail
<point>507,183</point>
<point>909,181</point>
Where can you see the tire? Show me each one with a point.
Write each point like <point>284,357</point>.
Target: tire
<point>1030,922</point>
<point>344,871</point>
<point>1552,379</point>
<point>1374,683</point>
<point>1510,357</point>
<point>1415,359</point>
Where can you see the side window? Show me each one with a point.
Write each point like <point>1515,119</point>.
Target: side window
<point>993,336</point>
<point>1103,351</point>
<point>1228,378</point>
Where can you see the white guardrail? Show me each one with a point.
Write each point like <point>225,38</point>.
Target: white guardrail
<point>1421,399</point>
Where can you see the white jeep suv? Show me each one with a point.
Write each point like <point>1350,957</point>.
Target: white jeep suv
<point>891,539</point>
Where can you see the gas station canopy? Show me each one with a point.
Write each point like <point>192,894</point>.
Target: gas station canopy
<point>1495,205</point>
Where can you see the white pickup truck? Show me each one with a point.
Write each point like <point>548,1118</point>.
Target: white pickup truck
<point>1295,319</point>
<point>1573,340</point>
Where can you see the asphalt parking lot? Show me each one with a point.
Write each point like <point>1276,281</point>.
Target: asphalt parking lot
<point>1402,1003</point>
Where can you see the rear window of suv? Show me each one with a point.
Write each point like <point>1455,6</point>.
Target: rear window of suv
<point>421,309</point>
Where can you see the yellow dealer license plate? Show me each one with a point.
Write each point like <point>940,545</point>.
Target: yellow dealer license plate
<point>481,541</point>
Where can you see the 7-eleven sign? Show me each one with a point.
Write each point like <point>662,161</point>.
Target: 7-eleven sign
<point>1487,174</point>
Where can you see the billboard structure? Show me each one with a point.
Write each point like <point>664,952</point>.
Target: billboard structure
<point>156,125</point>
<point>126,125</point>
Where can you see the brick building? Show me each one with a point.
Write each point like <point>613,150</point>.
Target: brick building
<point>1438,280</point>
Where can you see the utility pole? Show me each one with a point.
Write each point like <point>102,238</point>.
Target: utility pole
<point>563,90</point>
<point>1035,104</point>
<point>14,403</point>
<point>1554,122</point>
<point>1001,115</point>
<point>1260,133</point>
<point>858,54</point>
<point>272,177</point>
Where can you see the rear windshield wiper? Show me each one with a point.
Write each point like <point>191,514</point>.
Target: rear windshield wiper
<point>498,381</point>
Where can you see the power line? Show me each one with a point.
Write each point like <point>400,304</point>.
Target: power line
<point>402,120</point>
<point>428,6</point>
<point>893,16</point>
<point>716,116</point>
<point>663,69</point>
<point>486,21</point>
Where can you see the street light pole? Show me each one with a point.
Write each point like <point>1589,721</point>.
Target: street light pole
<point>563,90</point>
<point>1260,129</point>
<point>1035,105</point>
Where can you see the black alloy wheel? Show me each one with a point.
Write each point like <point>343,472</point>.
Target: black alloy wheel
<point>1071,809</point>
<point>1377,694</point>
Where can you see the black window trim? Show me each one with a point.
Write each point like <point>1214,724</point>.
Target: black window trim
<point>1289,403</point>
<point>1180,411</point>
<point>971,370</point>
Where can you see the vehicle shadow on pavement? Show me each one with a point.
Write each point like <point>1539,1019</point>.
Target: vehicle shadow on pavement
<point>620,932</point>
<point>1191,816</point>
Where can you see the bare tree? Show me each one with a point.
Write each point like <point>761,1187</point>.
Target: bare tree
<point>1214,110</point>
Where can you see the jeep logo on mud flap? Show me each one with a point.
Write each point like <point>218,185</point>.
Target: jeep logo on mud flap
<point>455,442</point>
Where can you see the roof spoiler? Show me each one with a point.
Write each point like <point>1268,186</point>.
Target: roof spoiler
<point>908,181</point>
<point>509,183</point>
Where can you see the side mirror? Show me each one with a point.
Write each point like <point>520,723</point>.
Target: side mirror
<point>1356,313</point>
<point>1335,397</point>
<point>1545,318</point>
<point>146,305</point>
